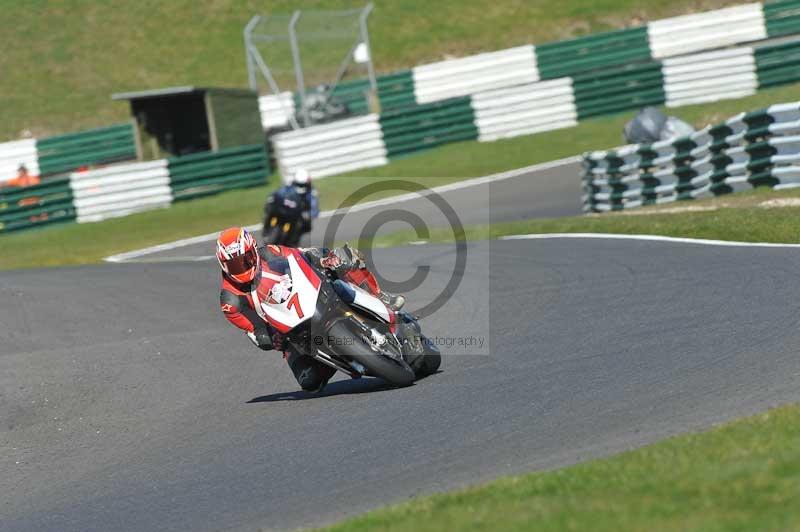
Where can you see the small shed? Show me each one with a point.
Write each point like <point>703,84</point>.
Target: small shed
<point>178,121</point>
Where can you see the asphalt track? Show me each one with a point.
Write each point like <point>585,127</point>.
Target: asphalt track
<point>543,192</point>
<point>129,404</point>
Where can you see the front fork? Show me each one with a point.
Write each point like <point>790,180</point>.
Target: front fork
<point>354,369</point>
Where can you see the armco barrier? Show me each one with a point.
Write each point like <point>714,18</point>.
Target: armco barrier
<point>332,148</point>
<point>710,76</point>
<point>47,203</point>
<point>275,110</point>
<point>461,77</point>
<point>525,109</point>
<point>782,18</point>
<point>761,148</point>
<point>64,153</point>
<point>593,52</point>
<point>594,55</point>
<point>778,64</point>
<point>426,126</point>
<point>394,90</point>
<point>618,89</point>
<point>705,31</point>
<point>203,174</point>
<point>537,107</point>
<point>120,190</point>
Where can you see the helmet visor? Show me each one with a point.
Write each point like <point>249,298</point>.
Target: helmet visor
<point>242,263</point>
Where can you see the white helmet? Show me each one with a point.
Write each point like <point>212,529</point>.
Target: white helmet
<point>301,177</point>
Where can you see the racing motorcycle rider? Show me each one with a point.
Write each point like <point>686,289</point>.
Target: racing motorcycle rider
<point>242,262</point>
<point>299,191</point>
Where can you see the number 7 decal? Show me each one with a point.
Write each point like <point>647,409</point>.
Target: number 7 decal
<point>295,302</point>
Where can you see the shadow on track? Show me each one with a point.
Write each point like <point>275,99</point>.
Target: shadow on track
<point>340,387</point>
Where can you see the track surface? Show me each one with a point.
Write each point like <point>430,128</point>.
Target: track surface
<point>543,193</point>
<point>127,402</point>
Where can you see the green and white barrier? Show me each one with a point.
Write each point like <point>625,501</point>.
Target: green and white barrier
<point>782,17</point>
<point>710,76</point>
<point>705,31</point>
<point>426,126</point>
<point>778,64</point>
<point>619,89</point>
<point>64,153</point>
<point>39,205</point>
<point>477,73</point>
<point>120,190</point>
<point>372,140</point>
<point>333,148</point>
<point>123,189</point>
<point>206,173</point>
<point>276,110</point>
<point>525,109</point>
<point>761,148</point>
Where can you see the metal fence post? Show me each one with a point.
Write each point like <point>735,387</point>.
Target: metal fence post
<point>362,22</point>
<point>273,85</point>
<point>251,71</point>
<point>298,67</point>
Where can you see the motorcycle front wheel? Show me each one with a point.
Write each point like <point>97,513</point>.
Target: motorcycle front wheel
<point>274,235</point>
<point>384,362</point>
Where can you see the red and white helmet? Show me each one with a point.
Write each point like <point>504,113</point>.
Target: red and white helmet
<point>237,253</point>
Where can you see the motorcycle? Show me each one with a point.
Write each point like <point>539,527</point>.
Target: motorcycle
<point>361,339</point>
<point>283,225</point>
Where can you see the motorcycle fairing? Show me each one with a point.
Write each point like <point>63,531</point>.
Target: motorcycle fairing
<point>361,299</point>
<point>300,303</point>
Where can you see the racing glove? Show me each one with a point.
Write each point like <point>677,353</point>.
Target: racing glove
<point>343,259</point>
<point>331,261</point>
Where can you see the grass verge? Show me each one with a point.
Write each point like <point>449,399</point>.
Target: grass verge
<point>741,476</point>
<point>89,243</point>
<point>62,59</point>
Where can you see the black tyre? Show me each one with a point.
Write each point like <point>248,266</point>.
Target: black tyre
<point>293,236</point>
<point>354,345</point>
<point>432,358</point>
<point>422,355</point>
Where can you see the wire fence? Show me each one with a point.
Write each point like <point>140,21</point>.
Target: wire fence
<point>310,52</point>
